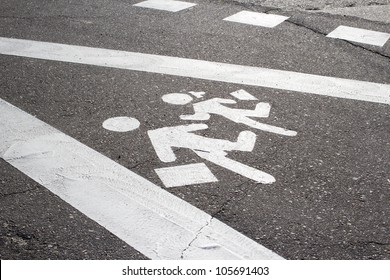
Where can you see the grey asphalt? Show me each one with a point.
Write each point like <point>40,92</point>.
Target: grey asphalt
<point>371,10</point>
<point>331,197</point>
<point>313,4</point>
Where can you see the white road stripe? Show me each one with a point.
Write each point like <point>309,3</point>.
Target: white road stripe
<point>153,221</point>
<point>359,35</point>
<point>165,5</point>
<point>258,19</point>
<point>247,75</point>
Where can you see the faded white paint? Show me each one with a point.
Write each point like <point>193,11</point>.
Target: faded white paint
<point>215,106</point>
<point>243,95</point>
<point>148,218</point>
<point>359,35</point>
<point>121,124</point>
<point>214,150</point>
<point>258,19</point>
<point>165,5</point>
<point>200,69</point>
<point>177,98</point>
<point>184,175</point>
<point>197,94</point>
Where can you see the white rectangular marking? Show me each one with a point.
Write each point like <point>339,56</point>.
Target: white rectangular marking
<point>200,69</point>
<point>243,95</point>
<point>165,5</point>
<point>359,35</point>
<point>184,175</point>
<point>150,219</point>
<point>258,19</point>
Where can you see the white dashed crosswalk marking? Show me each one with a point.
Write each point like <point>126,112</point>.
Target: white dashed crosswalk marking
<point>165,5</point>
<point>359,35</point>
<point>258,19</point>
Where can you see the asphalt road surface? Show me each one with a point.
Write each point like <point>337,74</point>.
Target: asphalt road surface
<point>294,164</point>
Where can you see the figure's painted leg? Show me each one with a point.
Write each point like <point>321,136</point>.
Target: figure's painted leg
<point>237,167</point>
<point>267,127</point>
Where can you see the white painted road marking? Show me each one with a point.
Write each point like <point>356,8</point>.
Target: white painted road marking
<point>177,98</point>
<point>121,124</point>
<point>216,106</point>
<point>165,5</point>
<point>237,167</point>
<point>200,69</point>
<point>197,94</point>
<point>258,19</point>
<point>166,138</point>
<point>243,95</point>
<point>360,35</point>
<point>213,150</point>
<point>153,221</point>
<point>185,175</point>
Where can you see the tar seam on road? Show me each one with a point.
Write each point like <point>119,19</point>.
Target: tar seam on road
<point>200,69</point>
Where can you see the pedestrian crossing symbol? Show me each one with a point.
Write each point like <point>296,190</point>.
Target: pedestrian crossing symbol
<point>165,139</point>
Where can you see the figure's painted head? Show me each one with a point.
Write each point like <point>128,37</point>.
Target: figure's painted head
<point>177,98</point>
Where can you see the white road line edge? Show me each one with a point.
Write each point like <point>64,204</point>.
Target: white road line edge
<point>151,220</point>
<point>200,69</point>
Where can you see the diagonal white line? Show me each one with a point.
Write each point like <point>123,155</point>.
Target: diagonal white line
<point>247,75</point>
<point>150,219</point>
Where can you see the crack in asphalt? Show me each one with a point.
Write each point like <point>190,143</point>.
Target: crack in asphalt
<point>213,216</point>
<point>356,243</point>
<point>51,17</point>
<point>367,49</point>
<point>19,192</point>
<point>252,6</point>
<point>196,237</point>
<point>227,201</point>
<point>337,244</point>
<point>348,42</point>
